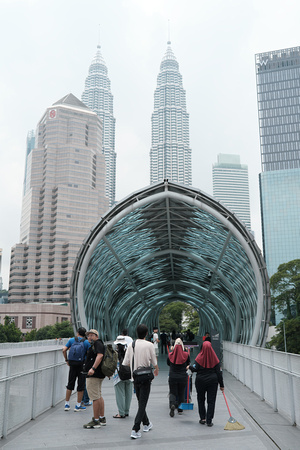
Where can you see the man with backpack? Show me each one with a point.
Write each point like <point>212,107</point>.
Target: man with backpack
<point>77,348</point>
<point>95,376</point>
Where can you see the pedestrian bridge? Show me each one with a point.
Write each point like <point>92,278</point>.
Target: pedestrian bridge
<point>164,243</point>
<point>262,388</point>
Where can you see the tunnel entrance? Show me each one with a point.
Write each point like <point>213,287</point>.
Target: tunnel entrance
<point>167,242</point>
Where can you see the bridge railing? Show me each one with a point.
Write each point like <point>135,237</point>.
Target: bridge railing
<point>30,383</point>
<point>273,375</point>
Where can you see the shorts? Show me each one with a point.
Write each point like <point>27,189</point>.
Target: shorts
<point>93,386</point>
<point>75,372</point>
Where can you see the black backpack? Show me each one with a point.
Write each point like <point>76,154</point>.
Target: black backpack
<point>124,372</point>
<point>77,352</point>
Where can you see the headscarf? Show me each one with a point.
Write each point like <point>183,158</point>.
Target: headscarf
<point>207,357</point>
<point>178,355</point>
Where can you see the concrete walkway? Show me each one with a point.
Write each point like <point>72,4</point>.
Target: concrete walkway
<point>264,429</point>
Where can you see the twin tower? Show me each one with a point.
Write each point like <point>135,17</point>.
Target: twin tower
<point>70,175</point>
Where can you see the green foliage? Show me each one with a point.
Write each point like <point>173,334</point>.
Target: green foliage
<point>9,332</point>
<point>59,330</point>
<point>31,335</point>
<point>172,315</point>
<point>292,335</point>
<point>285,287</point>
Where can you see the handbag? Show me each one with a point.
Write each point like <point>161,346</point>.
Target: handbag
<point>124,372</point>
<point>141,374</point>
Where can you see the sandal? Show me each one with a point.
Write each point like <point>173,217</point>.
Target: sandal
<point>117,416</point>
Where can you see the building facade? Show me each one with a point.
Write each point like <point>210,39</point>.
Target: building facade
<point>170,154</point>
<point>231,186</point>
<point>98,97</point>
<point>32,316</point>
<point>278,97</point>
<point>64,197</point>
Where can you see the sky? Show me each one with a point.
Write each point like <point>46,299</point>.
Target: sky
<point>46,50</point>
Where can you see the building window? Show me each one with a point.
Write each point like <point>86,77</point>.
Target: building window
<point>28,322</point>
<point>64,319</point>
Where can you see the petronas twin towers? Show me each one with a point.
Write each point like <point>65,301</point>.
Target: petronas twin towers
<point>170,154</point>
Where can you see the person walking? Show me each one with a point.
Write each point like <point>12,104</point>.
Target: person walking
<point>92,366</point>
<point>164,342</point>
<point>155,340</point>
<point>178,360</point>
<point>123,388</point>
<point>74,353</point>
<point>141,354</point>
<point>209,376</point>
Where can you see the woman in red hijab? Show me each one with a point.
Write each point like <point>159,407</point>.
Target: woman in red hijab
<point>209,375</point>
<point>178,360</point>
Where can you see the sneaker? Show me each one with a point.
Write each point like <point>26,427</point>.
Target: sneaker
<point>147,427</point>
<point>172,409</point>
<point>67,407</point>
<point>102,421</point>
<point>88,403</point>
<point>92,424</point>
<point>135,434</point>
<point>79,408</point>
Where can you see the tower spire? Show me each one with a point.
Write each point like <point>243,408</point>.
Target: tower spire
<point>169,33</point>
<point>99,46</point>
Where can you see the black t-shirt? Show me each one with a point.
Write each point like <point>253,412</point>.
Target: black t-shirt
<point>95,348</point>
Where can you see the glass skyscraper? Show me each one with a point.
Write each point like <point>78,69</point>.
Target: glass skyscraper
<point>278,97</point>
<point>98,97</point>
<point>231,186</point>
<point>64,197</point>
<point>170,154</point>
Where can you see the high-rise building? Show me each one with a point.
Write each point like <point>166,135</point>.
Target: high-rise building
<point>64,197</point>
<point>170,154</point>
<point>98,97</point>
<point>278,94</point>
<point>1,283</point>
<point>231,186</point>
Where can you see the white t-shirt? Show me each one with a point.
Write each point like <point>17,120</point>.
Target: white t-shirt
<point>155,340</point>
<point>144,354</point>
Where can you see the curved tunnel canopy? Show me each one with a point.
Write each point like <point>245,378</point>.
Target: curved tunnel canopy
<point>164,243</point>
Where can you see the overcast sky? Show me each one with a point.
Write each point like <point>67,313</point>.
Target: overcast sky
<point>46,50</point>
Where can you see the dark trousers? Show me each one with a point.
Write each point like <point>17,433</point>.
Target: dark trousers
<point>164,346</point>
<point>75,372</point>
<point>211,391</point>
<point>142,391</point>
<point>177,390</point>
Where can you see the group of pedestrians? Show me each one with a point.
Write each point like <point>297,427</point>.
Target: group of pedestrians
<point>137,366</point>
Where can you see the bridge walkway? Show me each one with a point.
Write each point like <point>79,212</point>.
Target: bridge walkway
<point>264,428</point>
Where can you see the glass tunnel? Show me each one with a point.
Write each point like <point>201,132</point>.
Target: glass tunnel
<point>164,243</point>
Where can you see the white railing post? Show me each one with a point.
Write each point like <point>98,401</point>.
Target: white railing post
<point>262,391</point>
<point>291,389</point>
<point>34,396</point>
<point>274,382</point>
<point>6,399</point>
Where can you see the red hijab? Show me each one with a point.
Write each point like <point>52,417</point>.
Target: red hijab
<point>178,355</point>
<point>207,357</point>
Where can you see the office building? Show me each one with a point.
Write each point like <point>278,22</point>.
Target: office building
<point>1,283</point>
<point>278,94</point>
<point>231,186</point>
<point>98,97</point>
<point>170,154</point>
<point>64,197</point>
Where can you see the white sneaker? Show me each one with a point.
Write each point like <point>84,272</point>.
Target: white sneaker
<point>147,427</point>
<point>135,434</point>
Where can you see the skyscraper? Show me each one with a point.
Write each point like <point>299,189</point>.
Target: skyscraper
<point>231,186</point>
<point>278,94</point>
<point>170,154</point>
<point>98,97</point>
<point>64,197</point>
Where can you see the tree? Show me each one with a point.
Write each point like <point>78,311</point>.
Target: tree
<point>285,287</point>
<point>172,314</point>
<point>59,330</point>
<point>292,336</point>
<point>9,332</point>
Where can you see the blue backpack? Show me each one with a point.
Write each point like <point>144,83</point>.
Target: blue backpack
<point>77,352</point>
